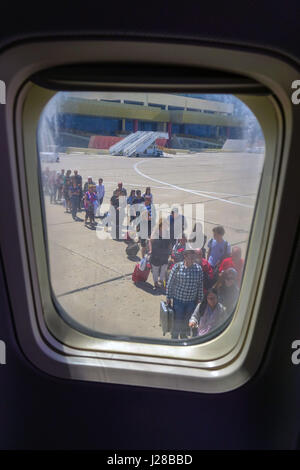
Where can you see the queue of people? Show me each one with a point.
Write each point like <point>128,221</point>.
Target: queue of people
<point>203,290</point>
<point>202,302</point>
<point>69,188</point>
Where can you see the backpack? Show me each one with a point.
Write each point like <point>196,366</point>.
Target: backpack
<point>208,276</point>
<point>216,267</point>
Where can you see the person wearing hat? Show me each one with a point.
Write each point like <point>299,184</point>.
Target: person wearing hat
<point>185,288</point>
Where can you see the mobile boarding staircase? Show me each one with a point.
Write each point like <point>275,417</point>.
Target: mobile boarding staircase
<point>136,143</point>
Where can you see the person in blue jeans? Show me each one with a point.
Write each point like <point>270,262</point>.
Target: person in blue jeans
<point>185,287</point>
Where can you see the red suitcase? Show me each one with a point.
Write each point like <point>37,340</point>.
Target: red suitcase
<point>140,276</point>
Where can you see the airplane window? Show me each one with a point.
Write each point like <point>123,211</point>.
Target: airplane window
<point>148,209</point>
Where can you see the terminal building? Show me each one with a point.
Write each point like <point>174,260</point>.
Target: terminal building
<point>100,119</point>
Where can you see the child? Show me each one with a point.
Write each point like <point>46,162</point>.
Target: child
<point>218,248</point>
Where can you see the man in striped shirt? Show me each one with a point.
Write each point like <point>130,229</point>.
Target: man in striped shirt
<point>185,287</point>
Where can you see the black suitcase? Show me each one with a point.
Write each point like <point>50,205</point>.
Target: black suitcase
<point>166,317</point>
<point>132,250</point>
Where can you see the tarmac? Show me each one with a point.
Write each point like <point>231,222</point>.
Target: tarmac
<point>91,277</point>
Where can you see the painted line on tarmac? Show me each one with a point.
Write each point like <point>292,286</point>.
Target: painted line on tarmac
<point>239,243</point>
<point>89,259</point>
<point>139,185</point>
<point>175,189</point>
<point>94,285</point>
<point>231,195</point>
<point>179,188</point>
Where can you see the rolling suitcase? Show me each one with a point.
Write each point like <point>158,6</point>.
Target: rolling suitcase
<point>166,318</point>
<point>140,276</point>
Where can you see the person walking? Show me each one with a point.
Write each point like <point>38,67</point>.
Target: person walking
<point>159,250</point>
<point>100,194</point>
<point>185,288</point>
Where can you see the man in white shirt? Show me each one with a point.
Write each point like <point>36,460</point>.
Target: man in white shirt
<point>100,194</point>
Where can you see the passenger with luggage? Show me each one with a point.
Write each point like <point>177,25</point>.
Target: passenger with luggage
<point>185,288</point>
<point>208,315</point>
